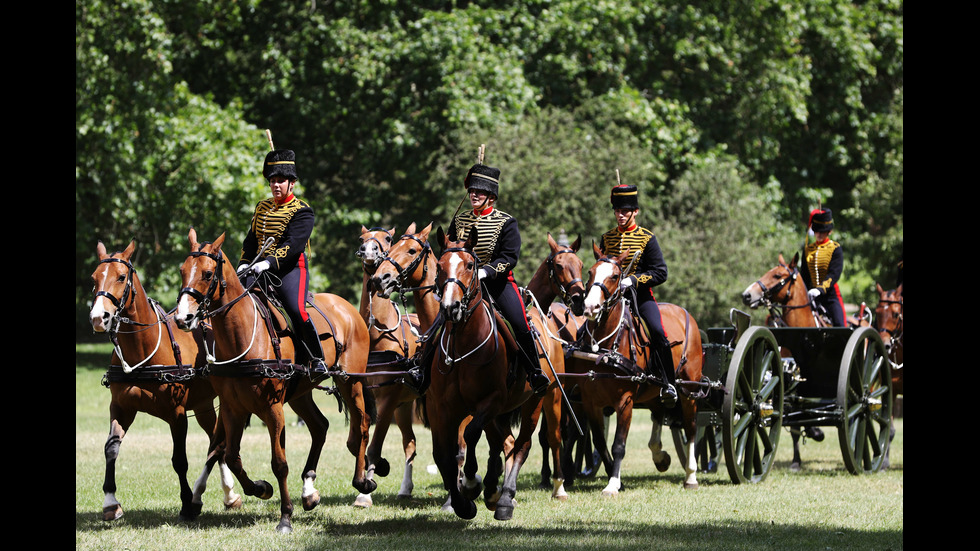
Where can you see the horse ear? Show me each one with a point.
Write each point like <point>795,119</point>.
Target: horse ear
<point>596,251</point>
<point>441,237</point>
<point>898,290</point>
<point>552,243</point>
<point>100,251</point>
<point>363,229</point>
<point>471,240</point>
<point>192,239</point>
<point>219,241</point>
<point>577,243</point>
<point>128,253</point>
<point>425,231</point>
<point>391,232</point>
<point>410,229</point>
<point>796,258</point>
<point>878,287</point>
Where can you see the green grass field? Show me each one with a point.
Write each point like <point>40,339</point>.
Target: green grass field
<point>821,508</point>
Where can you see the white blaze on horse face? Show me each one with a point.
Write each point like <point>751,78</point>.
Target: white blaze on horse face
<point>593,301</point>
<point>97,315</point>
<point>183,304</point>
<point>454,263</point>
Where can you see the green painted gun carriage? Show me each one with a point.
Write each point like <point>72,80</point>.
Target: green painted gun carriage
<point>761,379</point>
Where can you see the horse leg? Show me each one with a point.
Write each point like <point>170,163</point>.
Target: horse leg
<point>178,460</point>
<point>546,472</point>
<point>553,419</point>
<point>596,427</point>
<point>404,420</point>
<point>445,450</point>
<point>359,435</point>
<point>119,422</point>
<point>317,423</point>
<point>216,449</point>
<point>275,420</point>
<point>797,464</point>
<point>690,427</point>
<point>234,424</point>
<point>661,458</point>
<point>471,484</point>
<point>501,442</point>
<point>375,463</point>
<point>623,420</point>
<point>503,499</point>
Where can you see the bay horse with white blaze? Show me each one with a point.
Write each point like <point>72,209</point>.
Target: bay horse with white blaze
<point>471,376</point>
<point>154,369</point>
<point>394,341</point>
<point>613,354</point>
<point>253,370</point>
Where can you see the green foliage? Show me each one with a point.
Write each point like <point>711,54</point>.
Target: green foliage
<point>785,105</point>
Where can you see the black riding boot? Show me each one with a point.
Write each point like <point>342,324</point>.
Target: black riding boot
<point>664,362</point>
<point>528,358</point>
<point>311,341</point>
<point>417,377</point>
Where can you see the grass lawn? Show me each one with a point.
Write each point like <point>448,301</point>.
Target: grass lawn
<point>821,508</point>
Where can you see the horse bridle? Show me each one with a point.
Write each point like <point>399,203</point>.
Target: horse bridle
<point>768,294</point>
<point>900,325</point>
<point>469,290</point>
<point>412,266</point>
<point>128,295</point>
<point>562,291</point>
<point>378,241</point>
<point>217,283</point>
<point>610,297</point>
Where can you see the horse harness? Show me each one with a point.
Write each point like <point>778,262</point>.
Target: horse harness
<point>277,368</point>
<point>778,308</point>
<point>177,373</point>
<point>469,293</point>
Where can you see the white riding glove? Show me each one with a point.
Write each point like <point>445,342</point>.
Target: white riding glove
<point>626,283</point>
<point>241,269</point>
<point>813,293</point>
<point>482,273</point>
<point>260,267</point>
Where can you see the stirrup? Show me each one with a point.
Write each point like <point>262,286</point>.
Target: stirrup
<point>539,382</point>
<point>668,395</point>
<point>317,367</point>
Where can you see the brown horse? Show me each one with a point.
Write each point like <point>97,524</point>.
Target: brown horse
<point>558,283</point>
<point>394,338</point>
<point>783,292</point>
<point>471,376</point>
<point>154,369</point>
<point>614,353</point>
<point>890,322</point>
<point>253,371</point>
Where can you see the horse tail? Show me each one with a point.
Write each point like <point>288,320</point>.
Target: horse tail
<point>514,417</point>
<point>421,411</point>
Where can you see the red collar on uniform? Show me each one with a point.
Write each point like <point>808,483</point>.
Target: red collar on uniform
<point>485,212</point>
<point>629,229</point>
<point>284,201</point>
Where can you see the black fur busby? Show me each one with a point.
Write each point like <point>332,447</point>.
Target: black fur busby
<point>624,197</point>
<point>483,177</point>
<point>280,162</point>
<point>821,220</point>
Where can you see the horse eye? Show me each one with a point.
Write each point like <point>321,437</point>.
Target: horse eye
<point>121,279</point>
<point>208,275</point>
<point>412,251</point>
<point>388,239</point>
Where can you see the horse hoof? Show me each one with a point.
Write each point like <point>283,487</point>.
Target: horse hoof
<point>262,490</point>
<point>815,434</point>
<point>285,527</point>
<point>189,513</point>
<point>504,512</point>
<point>691,486</point>
<point>795,468</point>
<point>382,467</point>
<point>609,493</point>
<point>712,467</point>
<point>237,504</point>
<point>363,501</point>
<point>366,486</point>
<point>562,497</point>
<point>311,501</point>
<point>404,496</point>
<point>467,511</point>
<point>114,512</point>
<point>664,464</point>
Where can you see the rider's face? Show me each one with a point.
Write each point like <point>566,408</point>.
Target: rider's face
<point>625,217</point>
<point>281,187</point>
